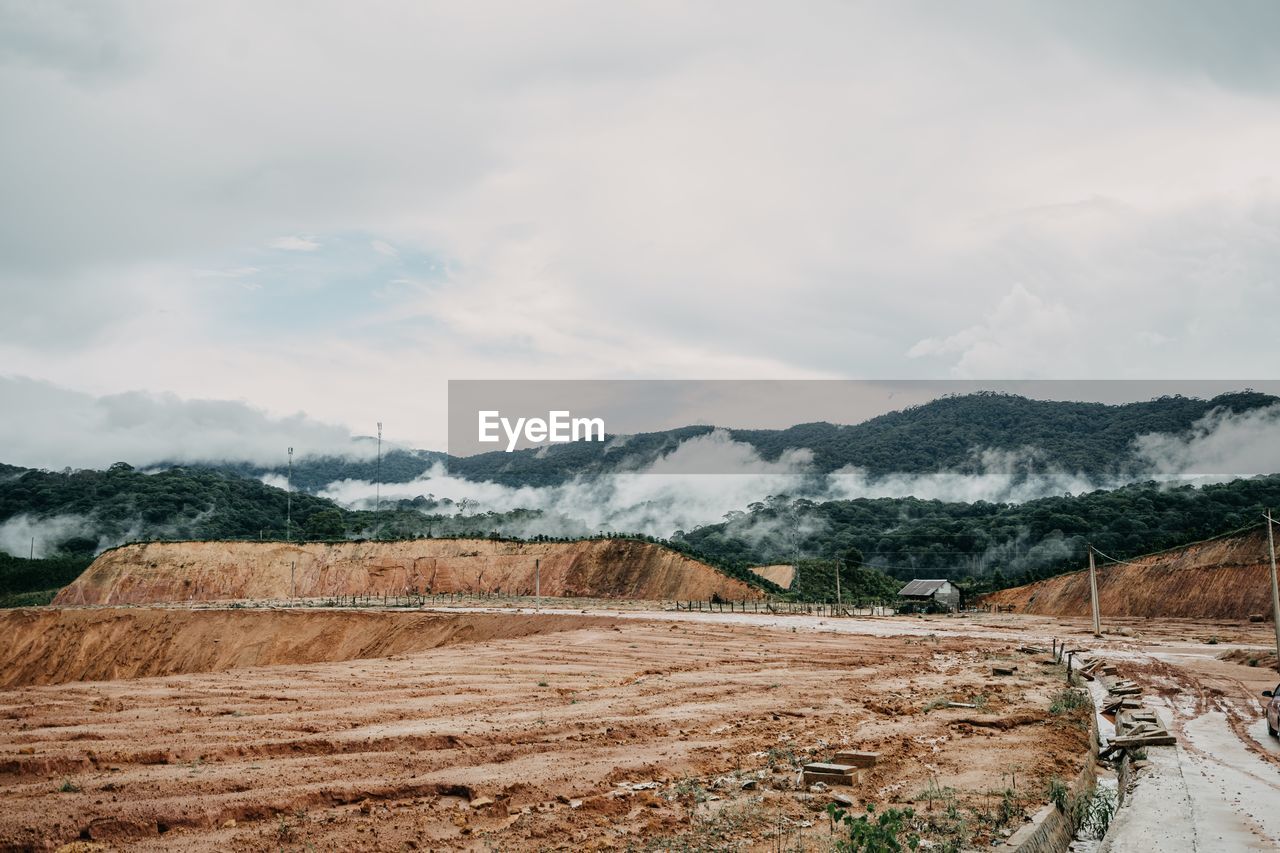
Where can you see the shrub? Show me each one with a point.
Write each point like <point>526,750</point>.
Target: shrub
<point>887,833</point>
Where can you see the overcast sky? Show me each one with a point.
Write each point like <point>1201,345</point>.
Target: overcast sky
<point>334,208</point>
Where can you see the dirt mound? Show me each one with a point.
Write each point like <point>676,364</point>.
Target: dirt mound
<point>1265,658</point>
<point>146,573</point>
<point>783,574</point>
<point>1226,578</point>
<point>57,646</point>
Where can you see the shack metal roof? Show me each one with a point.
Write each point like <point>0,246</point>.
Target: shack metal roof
<point>922,587</point>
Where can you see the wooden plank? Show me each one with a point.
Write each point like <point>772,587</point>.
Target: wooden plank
<point>1156,739</point>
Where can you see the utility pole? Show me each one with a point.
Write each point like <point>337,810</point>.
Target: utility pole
<point>1093,594</point>
<point>1275,588</point>
<point>31,555</point>
<point>293,586</point>
<point>537,583</point>
<point>838,602</point>
<point>377,500</point>
<point>288,501</point>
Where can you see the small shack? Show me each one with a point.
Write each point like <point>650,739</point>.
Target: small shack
<point>940,592</point>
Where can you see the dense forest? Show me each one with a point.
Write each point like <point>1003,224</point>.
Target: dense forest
<point>980,545</point>
<point>985,545</point>
<point>1091,439</point>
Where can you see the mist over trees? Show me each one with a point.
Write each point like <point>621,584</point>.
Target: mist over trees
<point>70,515</point>
<point>988,545</point>
<point>1094,440</point>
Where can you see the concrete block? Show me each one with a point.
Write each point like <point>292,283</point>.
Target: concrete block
<point>857,758</point>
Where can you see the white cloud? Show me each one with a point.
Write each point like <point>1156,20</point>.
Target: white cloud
<point>50,427</point>
<point>24,535</point>
<point>1222,445</point>
<point>1023,334</point>
<point>294,244</point>
<point>655,190</point>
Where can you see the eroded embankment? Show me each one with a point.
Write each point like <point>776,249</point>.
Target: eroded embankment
<point>1227,578</point>
<point>146,573</point>
<point>58,646</point>
<point>783,574</point>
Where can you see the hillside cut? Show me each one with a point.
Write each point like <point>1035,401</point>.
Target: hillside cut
<point>1224,578</point>
<point>146,573</point>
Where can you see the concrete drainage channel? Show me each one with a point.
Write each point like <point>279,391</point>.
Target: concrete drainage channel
<point>1080,818</point>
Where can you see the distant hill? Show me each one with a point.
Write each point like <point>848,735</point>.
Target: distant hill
<point>990,545</point>
<point>1092,439</point>
<point>77,513</point>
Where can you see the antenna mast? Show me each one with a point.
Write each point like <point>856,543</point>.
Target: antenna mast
<point>288,501</point>
<point>377,500</point>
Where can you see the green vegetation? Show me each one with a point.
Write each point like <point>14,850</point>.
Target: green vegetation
<point>1069,701</point>
<point>877,542</point>
<point>815,580</point>
<point>983,546</point>
<point>869,833</point>
<point>1094,813</point>
<point>1093,439</point>
<point>23,582</point>
<point>39,598</point>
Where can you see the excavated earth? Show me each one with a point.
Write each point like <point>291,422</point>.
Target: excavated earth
<point>154,572</point>
<point>783,574</point>
<point>1227,578</point>
<point>52,646</point>
<point>512,731</point>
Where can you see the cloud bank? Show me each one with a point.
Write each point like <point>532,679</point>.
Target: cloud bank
<point>658,501</point>
<point>45,426</point>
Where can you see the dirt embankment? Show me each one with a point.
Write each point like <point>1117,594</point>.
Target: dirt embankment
<point>154,572</point>
<point>783,574</point>
<point>58,646</point>
<point>1226,578</point>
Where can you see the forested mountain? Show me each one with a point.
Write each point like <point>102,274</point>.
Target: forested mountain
<point>993,545</point>
<point>987,544</point>
<point>1091,439</point>
<point>76,513</point>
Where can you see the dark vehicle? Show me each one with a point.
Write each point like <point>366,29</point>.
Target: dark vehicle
<point>1273,711</point>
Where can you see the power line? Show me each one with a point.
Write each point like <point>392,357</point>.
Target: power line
<point>1113,559</point>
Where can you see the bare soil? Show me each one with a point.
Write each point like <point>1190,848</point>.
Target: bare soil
<point>639,733</point>
<point>1227,578</point>
<point>783,574</point>
<point>153,572</point>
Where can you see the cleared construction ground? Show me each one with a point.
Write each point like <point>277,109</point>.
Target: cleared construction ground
<point>247,726</point>
<point>512,732</point>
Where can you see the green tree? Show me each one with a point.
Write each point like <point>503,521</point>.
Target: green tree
<point>325,524</point>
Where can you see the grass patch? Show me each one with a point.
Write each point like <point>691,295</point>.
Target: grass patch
<point>1069,701</point>
<point>39,598</point>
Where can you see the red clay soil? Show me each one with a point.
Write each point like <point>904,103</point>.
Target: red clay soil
<point>783,574</point>
<point>49,646</point>
<point>645,735</point>
<point>148,573</point>
<point>1225,578</point>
